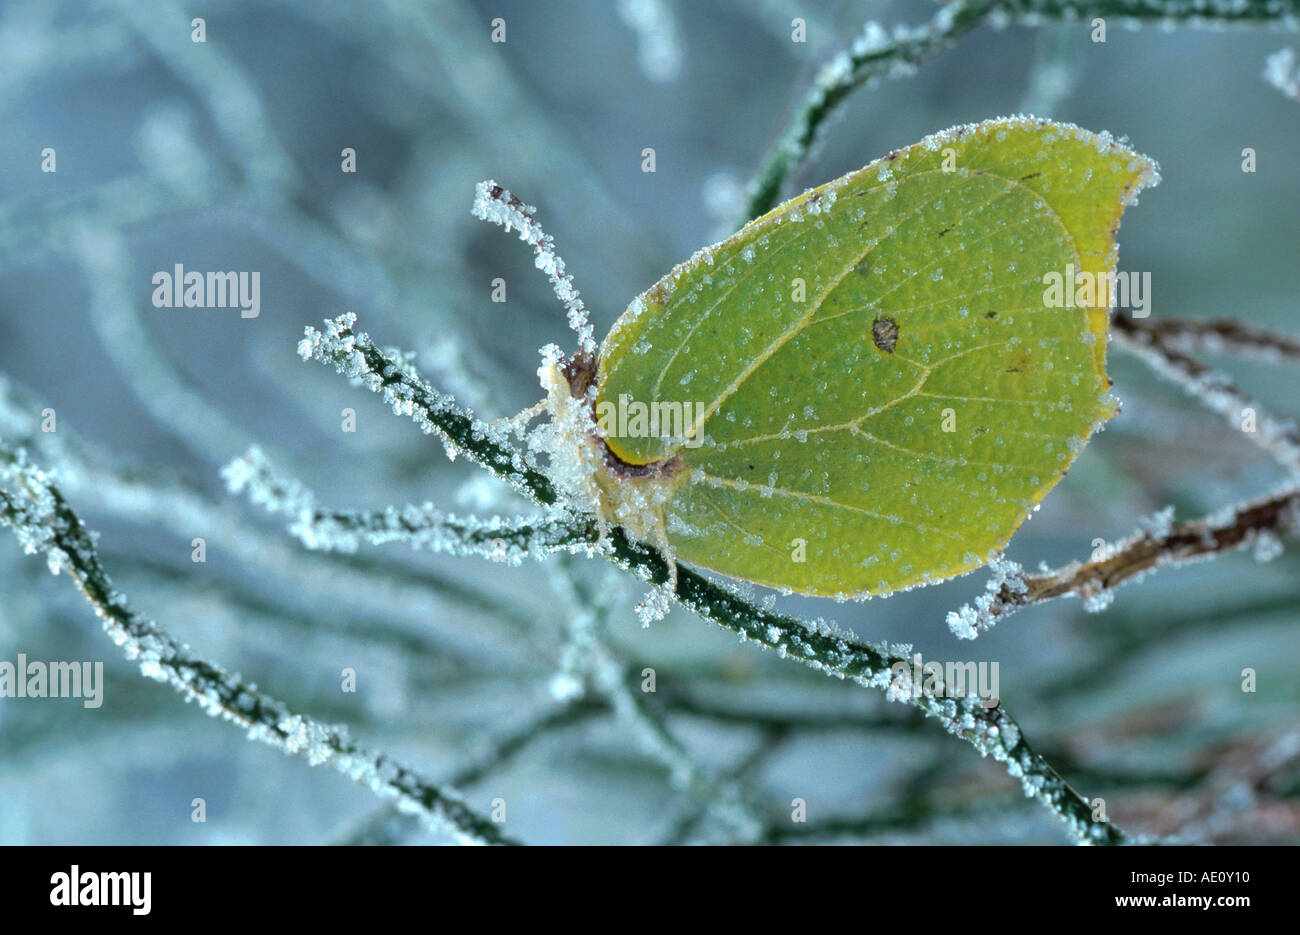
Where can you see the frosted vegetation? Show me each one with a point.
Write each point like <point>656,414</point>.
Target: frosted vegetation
<point>522,655</point>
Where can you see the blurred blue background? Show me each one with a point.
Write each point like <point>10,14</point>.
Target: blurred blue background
<point>225,155</point>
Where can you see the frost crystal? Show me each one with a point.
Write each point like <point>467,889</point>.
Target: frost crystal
<point>1266,546</point>
<point>1159,525</point>
<point>656,603</point>
<point>493,203</point>
<point>421,527</point>
<point>1008,579</point>
<point>1281,71</point>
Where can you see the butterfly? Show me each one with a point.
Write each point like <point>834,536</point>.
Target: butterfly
<point>873,385</point>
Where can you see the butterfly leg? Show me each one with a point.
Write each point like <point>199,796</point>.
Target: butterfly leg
<point>520,419</point>
<point>660,542</point>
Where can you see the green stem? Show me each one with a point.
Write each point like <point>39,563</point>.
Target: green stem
<point>867,60</point>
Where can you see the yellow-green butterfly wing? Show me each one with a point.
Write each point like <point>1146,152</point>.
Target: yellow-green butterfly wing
<point>877,391</point>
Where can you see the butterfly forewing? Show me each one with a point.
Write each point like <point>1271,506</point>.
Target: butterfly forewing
<point>881,391</point>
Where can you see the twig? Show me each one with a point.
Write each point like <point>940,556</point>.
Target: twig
<point>494,203</point>
<point>1248,773</point>
<point>768,743</point>
<point>906,816</point>
<point>44,523</point>
<point>420,650</point>
<point>151,494</point>
<point>658,47</point>
<point>1217,336</point>
<point>159,388</point>
<point>1164,545</point>
<point>876,53</point>
<point>1213,389</point>
<point>597,661</point>
<point>421,527</point>
<point>392,375</point>
<point>1210,14</point>
<point>440,51</point>
<point>1127,635</point>
<point>990,730</point>
<point>1057,56</point>
<point>680,702</point>
<point>873,53</point>
<point>386,825</point>
<point>231,98</point>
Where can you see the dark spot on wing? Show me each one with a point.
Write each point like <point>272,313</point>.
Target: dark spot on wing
<point>884,332</point>
<point>1021,364</point>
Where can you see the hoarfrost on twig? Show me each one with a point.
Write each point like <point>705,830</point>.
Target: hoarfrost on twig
<point>392,375</point>
<point>877,52</point>
<point>969,621</point>
<point>1159,543</point>
<point>494,203</point>
<point>991,731</point>
<point>589,658</point>
<point>43,521</point>
<point>421,527</point>
<point>1213,389</point>
<point>1218,336</point>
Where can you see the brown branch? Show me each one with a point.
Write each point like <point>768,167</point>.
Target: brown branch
<point>1176,544</point>
<point>1216,336</point>
<point>1218,393</point>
